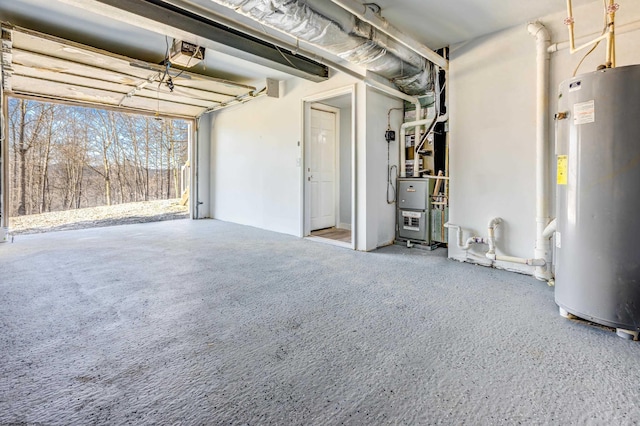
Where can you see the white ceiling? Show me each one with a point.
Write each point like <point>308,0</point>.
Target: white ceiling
<point>436,23</point>
<point>439,23</point>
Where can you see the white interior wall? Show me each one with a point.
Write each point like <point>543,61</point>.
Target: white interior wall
<point>381,214</point>
<point>492,104</point>
<point>255,161</point>
<point>492,150</point>
<point>201,205</point>
<point>257,157</point>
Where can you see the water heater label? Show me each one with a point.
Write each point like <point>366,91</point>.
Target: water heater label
<point>563,162</point>
<point>584,112</point>
<point>558,240</point>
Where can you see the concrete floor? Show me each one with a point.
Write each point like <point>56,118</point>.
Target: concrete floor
<point>205,322</point>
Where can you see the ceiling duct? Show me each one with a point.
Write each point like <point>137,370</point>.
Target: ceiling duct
<point>344,35</point>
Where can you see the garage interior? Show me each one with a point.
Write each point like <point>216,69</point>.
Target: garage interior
<point>312,286</point>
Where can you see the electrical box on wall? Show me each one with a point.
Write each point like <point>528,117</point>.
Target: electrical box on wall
<point>273,88</point>
<point>186,54</point>
<point>390,135</point>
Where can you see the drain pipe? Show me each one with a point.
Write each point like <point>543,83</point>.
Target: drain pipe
<point>491,254</point>
<point>492,235</point>
<point>470,240</point>
<point>491,242</point>
<point>544,228</point>
<point>543,245</point>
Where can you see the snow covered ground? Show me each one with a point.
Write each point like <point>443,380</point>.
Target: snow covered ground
<point>93,217</point>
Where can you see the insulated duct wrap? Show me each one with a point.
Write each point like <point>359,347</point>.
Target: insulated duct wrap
<point>344,35</point>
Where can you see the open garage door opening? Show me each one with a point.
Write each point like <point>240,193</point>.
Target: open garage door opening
<point>74,167</point>
<point>86,128</point>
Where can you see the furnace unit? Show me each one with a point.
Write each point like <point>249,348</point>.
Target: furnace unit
<point>414,208</point>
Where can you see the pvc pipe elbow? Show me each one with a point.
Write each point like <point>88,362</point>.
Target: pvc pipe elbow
<point>459,233</point>
<point>494,222</point>
<point>550,229</point>
<point>491,231</point>
<point>539,31</point>
<point>536,262</point>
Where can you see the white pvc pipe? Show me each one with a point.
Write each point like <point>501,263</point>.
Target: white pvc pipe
<point>437,119</point>
<point>416,159</point>
<point>392,92</point>
<point>470,240</point>
<point>491,241</point>
<point>542,247</point>
<point>491,254</point>
<point>544,229</point>
<point>550,229</point>
<point>365,14</point>
<point>403,134</point>
<point>520,260</point>
<point>492,235</point>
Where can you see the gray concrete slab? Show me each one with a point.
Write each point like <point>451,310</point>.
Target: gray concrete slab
<point>205,322</point>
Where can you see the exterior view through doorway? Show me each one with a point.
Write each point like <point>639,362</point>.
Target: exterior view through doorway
<point>329,167</point>
<point>70,167</point>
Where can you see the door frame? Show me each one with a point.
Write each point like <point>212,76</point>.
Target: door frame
<point>336,158</point>
<point>305,216</point>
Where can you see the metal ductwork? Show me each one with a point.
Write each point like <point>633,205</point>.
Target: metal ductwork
<point>337,31</point>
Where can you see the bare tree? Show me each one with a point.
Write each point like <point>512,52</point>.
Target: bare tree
<point>30,125</point>
<point>66,157</point>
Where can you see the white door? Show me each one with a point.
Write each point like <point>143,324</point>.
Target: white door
<point>321,170</point>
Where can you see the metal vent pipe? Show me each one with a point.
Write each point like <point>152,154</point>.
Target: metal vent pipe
<point>339,32</point>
